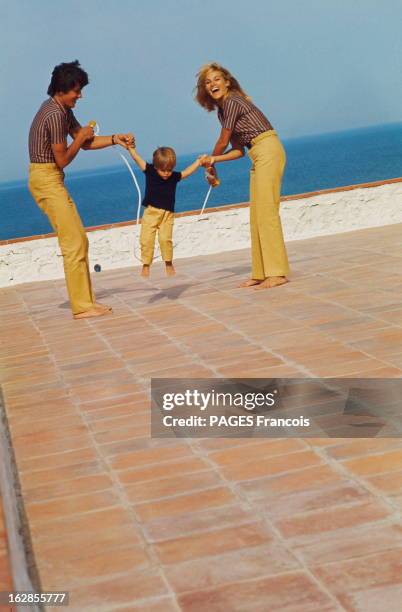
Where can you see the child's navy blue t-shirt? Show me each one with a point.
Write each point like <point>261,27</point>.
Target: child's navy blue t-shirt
<point>160,192</point>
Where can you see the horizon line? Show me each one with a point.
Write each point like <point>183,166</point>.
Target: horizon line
<point>101,168</point>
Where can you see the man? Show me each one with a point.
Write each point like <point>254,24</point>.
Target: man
<point>49,154</point>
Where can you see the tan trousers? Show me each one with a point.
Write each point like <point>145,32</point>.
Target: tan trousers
<point>161,221</point>
<point>268,251</point>
<point>46,184</point>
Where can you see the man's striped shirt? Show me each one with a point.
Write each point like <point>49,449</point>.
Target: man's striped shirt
<point>244,119</point>
<point>51,125</point>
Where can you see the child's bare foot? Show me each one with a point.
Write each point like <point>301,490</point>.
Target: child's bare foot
<point>271,282</point>
<point>145,271</point>
<point>169,267</point>
<point>250,282</point>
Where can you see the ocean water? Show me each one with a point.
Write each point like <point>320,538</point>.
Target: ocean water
<point>108,195</point>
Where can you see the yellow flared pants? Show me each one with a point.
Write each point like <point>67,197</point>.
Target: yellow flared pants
<point>46,184</point>
<point>161,221</point>
<point>268,251</point>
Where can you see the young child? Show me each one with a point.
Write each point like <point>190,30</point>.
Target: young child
<point>160,191</point>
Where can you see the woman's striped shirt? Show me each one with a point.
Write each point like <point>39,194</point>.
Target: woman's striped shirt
<point>51,125</point>
<point>244,119</point>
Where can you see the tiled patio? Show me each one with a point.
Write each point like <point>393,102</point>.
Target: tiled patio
<point>124,521</point>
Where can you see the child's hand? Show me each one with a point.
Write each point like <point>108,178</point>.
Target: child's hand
<point>130,140</point>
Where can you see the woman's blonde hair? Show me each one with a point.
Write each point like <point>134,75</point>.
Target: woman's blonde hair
<point>202,97</point>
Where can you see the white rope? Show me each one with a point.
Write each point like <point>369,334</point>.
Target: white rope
<point>139,201</point>
<point>206,200</point>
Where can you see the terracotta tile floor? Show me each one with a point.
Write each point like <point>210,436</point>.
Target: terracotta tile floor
<point>127,522</point>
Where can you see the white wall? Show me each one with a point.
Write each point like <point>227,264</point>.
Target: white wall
<point>225,230</point>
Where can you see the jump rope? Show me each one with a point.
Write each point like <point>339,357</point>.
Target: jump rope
<point>95,126</point>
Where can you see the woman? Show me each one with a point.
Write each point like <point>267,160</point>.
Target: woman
<point>244,125</point>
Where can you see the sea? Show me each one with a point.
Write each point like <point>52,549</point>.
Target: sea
<point>108,194</point>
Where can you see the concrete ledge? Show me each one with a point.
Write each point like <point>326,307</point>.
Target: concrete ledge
<point>219,229</point>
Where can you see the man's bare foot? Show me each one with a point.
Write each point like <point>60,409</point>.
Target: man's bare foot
<point>250,282</point>
<point>271,282</point>
<point>103,307</point>
<point>145,271</point>
<point>169,267</point>
<point>93,312</point>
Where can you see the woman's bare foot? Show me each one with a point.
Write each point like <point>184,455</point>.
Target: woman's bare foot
<point>271,282</point>
<point>103,307</point>
<point>250,282</point>
<point>169,267</point>
<point>145,271</point>
<point>93,312</point>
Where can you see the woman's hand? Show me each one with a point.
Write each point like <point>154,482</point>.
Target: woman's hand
<point>206,160</point>
<point>212,176</point>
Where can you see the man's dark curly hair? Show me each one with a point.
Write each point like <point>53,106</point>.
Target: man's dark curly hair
<point>66,76</point>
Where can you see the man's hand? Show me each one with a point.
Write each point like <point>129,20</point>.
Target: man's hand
<point>85,133</point>
<point>125,140</point>
<point>84,138</point>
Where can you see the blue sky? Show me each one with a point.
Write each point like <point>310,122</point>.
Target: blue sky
<point>311,65</point>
